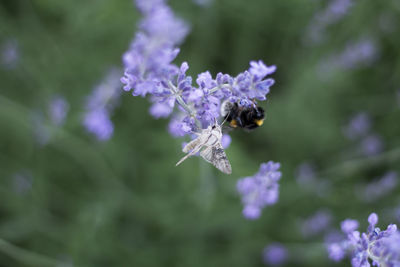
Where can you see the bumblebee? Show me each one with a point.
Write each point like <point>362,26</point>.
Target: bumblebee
<point>247,118</point>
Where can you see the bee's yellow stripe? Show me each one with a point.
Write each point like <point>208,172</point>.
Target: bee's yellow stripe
<point>259,122</point>
<point>233,123</point>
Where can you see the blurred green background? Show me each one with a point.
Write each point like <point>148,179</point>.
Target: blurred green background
<point>76,201</point>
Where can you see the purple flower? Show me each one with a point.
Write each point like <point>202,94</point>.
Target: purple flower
<point>259,190</point>
<point>306,178</point>
<point>349,226</point>
<point>334,12</point>
<point>358,126</point>
<point>99,106</point>
<point>41,129</point>
<point>179,128</point>
<point>275,254</point>
<point>317,223</point>
<point>381,247</point>
<point>58,110</point>
<point>378,188</point>
<point>356,54</point>
<point>372,145</point>
<point>305,174</point>
<point>360,53</point>
<point>336,251</point>
<point>149,70</point>
<point>97,122</point>
<point>148,61</point>
<point>259,70</point>
<point>22,182</point>
<point>162,109</point>
<point>9,54</point>
<point>226,140</point>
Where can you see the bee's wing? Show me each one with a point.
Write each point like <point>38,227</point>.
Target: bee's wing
<point>227,128</point>
<point>217,157</point>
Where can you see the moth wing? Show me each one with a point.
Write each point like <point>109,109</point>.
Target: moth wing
<point>206,154</point>
<point>217,157</point>
<point>191,153</point>
<point>192,145</point>
<point>192,148</point>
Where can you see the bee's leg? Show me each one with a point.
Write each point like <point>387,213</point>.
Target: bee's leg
<point>239,122</point>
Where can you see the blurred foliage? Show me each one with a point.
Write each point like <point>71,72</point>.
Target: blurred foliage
<point>122,202</point>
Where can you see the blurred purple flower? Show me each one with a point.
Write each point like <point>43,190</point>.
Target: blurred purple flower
<point>44,123</point>
<point>333,236</point>
<point>356,54</point>
<point>275,254</point>
<point>203,2</point>
<point>259,190</point>
<point>58,110</point>
<point>99,105</point>
<point>226,140</point>
<point>98,122</point>
<point>178,128</point>
<point>360,53</point>
<point>358,126</point>
<point>317,223</point>
<point>41,130</point>
<point>334,12</point>
<point>349,225</point>
<point>22,182</point>
<point>381,247</point>
<point>372,145</point>
<point>9,54</point>
<point>305,174</point>
<point>378,188</point>
<point>336,251</point>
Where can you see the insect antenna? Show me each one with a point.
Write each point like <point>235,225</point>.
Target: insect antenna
<point>226,117</point>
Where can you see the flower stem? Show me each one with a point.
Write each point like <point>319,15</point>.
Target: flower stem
<point>179,99</point>
<point>182,103</point>
<point>25,256</point>
<point>216,88</point>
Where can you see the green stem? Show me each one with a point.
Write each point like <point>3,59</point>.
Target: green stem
<point>350,167</point>
<point>182,103</point>
<point>25,256</point>
<point>179,99</point>
<point>91,160</point>
<point>216,88</point>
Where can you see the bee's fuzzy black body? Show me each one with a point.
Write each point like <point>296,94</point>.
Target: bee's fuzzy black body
<point>247,118</point>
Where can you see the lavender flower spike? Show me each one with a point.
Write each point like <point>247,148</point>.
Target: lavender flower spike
<point>275,254</point>
<point>316,223</point>
<point>358,126</point>
<point>381,247</point>
<point>149,71</point>
<point>259,190</point>
<point>99,106</point>
<point>9,54</point>
<point>58,110</point>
